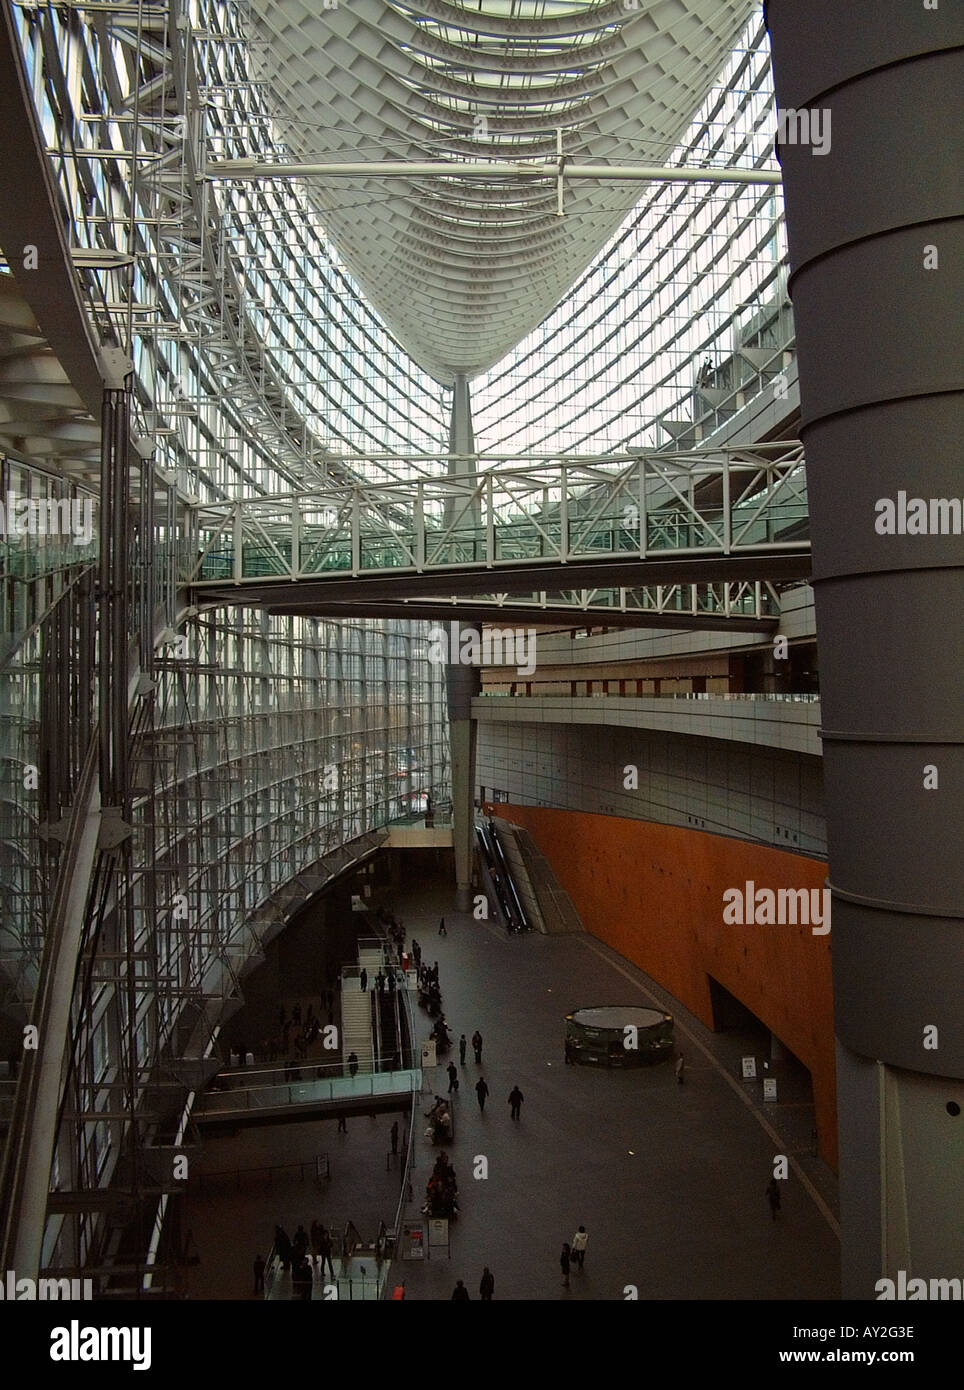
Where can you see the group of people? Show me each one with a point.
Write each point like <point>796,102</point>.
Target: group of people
<point>440,1034</point>
<point>442,1191</point>
<point>384,980</point>
<point>429,991</point>
<point>439,1122</point>
<point>297,1033</point>
<point>461,1294</point>
<point>393,926</point>
<point>573,1253</point>
<point>299,1254</point>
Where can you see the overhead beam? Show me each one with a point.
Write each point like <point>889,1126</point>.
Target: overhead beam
<point>524,615</point>
<point>244,169</point>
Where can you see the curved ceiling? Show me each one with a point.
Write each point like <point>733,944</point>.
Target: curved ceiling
<point>462,269</point>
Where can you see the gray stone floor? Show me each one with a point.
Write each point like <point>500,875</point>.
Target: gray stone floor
<point>234,1201</point>
<point>668,1180</point>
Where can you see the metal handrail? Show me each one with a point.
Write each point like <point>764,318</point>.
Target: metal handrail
<point>338,1090</point>
<point>777,697</point>
<point>405,1190</point>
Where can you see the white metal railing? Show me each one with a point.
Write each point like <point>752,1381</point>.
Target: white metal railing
<point>563,509</point>
<point>770,696</point>
<point>250,1099</point>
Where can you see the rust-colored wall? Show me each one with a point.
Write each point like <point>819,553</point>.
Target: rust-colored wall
<point>655,894</point>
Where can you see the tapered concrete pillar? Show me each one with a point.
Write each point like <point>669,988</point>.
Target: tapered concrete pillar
<point>463,681</point>
<point>463,684</point>
<point>873,213</point>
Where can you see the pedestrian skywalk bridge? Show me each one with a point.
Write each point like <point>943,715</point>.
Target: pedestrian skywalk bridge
<point>259,1101</point>
<point>559,532</point>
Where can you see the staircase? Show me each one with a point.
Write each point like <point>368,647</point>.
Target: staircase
<point>371,959</point>
<point>356,1023</point>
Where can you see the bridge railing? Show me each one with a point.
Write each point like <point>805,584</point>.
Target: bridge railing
<point>724,502</point>
<point>309,1092</point>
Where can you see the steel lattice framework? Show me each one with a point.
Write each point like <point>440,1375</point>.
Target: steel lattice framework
<point>463,270</point>
<point>162,807</point>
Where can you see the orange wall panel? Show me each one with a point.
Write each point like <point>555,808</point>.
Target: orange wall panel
<point>655,894</point>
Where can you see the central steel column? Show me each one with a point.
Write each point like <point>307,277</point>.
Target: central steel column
<point>876,248</point>
<point>462,682</point>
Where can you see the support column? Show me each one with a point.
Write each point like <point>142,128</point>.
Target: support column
<point>462,442</point>
<point>462,683</point>
<point>876,246</point>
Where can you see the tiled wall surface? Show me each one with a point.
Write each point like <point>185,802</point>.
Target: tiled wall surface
<point>749,790</point>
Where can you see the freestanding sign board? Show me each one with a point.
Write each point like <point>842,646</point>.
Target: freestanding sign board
<point>429,1058</point>
<point>769,1088</point>
<point>413,1240</point>
<point>749,1068</point>
<point>438,1233</point>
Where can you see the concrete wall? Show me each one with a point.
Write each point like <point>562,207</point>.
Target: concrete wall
<point>766,794</point>
<point>791,724</point>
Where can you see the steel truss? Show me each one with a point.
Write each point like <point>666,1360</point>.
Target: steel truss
<point>158,857</point>
<point>558,510</point>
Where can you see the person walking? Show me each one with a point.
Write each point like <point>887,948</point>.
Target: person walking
<point>324,1251</point>
<point>453,1072</point>
<point>564,1265</point>
<point>299,1243</point>
<point>486,1286</point>
<point>477,1045</point>
<point>282,1244</point>
<point>443,931</point>
<point>394,1138</point>
<point>353,1063</point>
<point>578,1248</point>
<point>258,1275</point>
<point>461,1293</point>
<point>680,1067</point>
<point>363,980</point>
<point>515,1100</point>
<point>416,954</point>
<point>342,1125</point>
<point>481,1090</point>
<point>463,1044</point>
<point>773,1197</point>
<point>301,1281</point>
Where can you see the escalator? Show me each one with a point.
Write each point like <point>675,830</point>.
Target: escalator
<point>497,871</point>
<point>393,1044</point>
